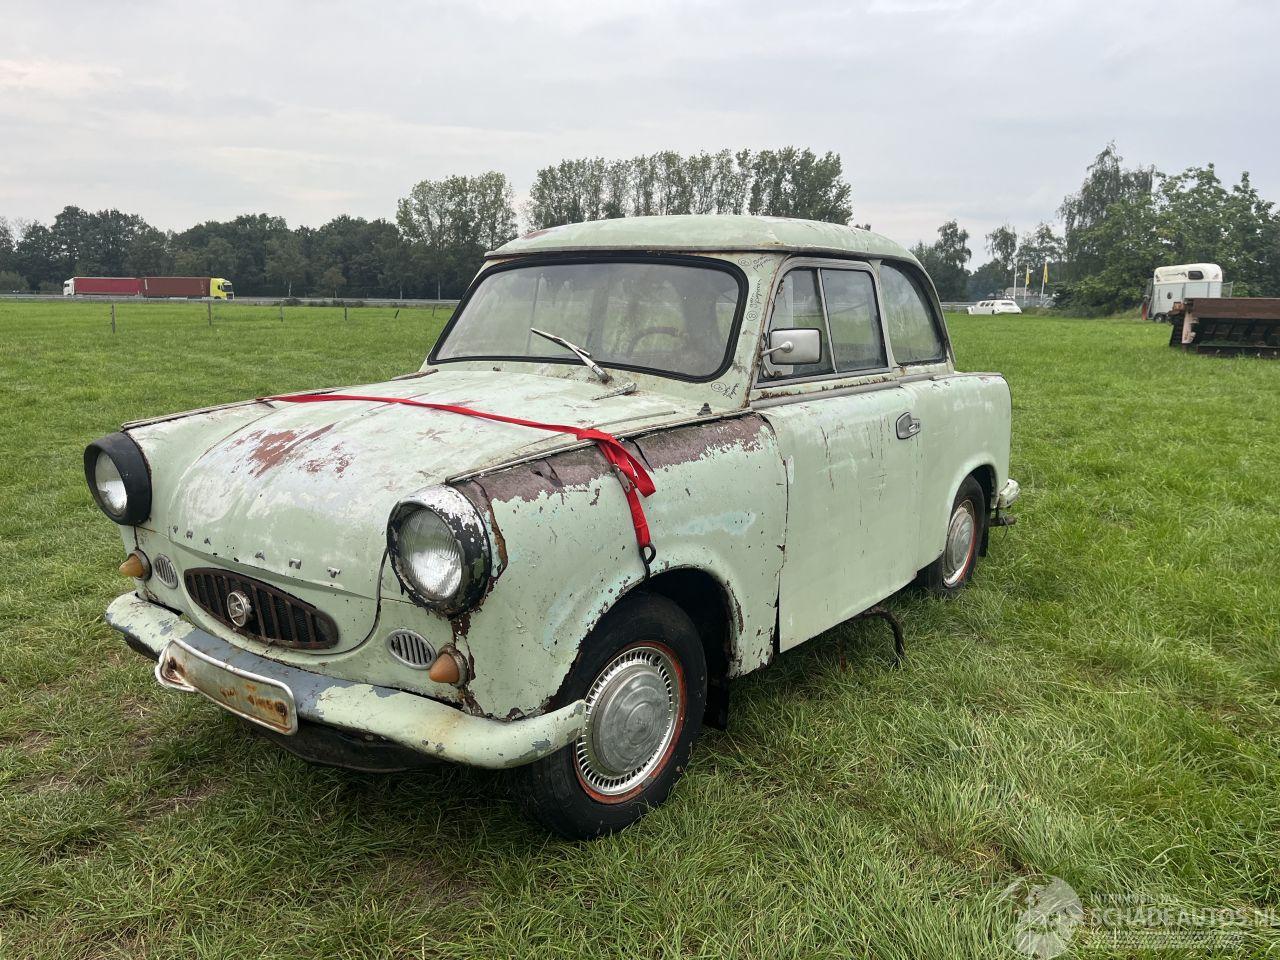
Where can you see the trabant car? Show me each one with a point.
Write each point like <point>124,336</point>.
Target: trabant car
<point>645,457</point>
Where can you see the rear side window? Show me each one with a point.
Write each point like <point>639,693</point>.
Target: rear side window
<point>909,318</point>
<point>855,320</point>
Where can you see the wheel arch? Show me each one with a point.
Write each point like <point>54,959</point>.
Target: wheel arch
<point>710,604</point>
<point>986,476</point>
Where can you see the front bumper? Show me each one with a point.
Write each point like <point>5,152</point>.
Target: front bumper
<point>411,721</point>
<point>1004,500</point>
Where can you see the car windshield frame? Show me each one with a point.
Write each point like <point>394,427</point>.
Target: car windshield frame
<point>610,257</point>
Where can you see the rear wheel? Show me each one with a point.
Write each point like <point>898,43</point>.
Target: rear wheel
<point>966,524</point>
<point>642,674</point>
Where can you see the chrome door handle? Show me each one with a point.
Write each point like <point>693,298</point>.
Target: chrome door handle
<point>907,426</point>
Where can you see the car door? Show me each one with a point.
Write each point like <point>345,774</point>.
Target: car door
<point>843,430</point>
<point>938,400</point>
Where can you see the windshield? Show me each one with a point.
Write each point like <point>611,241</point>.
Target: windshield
<point>664,317</point>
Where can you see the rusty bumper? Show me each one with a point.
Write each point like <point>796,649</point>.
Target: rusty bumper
<point>415,722</point>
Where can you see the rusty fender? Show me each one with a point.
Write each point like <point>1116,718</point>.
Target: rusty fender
<point>567,552</point>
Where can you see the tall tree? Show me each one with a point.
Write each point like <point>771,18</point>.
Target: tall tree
<point>285,264</point>
<point>1038,247</point>
<point>945,259</point>
<point>798,183</point>
<point>1002,244</point>
<point>454,221</point>
<point>1107,182</point>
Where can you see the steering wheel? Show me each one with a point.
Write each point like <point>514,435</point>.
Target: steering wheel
<point>653,332</point>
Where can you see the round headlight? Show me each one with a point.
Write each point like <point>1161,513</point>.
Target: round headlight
<point>109,484</point>
<point>431,555</point>
<point>118,478</point>
<point>439,549</point>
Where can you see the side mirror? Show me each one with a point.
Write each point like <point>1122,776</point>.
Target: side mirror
<point>794,347</point>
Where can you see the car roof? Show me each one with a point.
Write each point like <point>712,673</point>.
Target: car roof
<point>708,233</point>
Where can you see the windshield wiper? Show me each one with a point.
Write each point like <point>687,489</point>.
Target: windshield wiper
<point>577,351</point>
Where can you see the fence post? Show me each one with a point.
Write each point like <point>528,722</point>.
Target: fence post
<point>344,313</point>
<point>113,317</point>
<point>209,305</point>
<point>282,313</point>
<point>397,316</point>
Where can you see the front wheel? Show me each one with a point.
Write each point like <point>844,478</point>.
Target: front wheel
<point>643,676</point>
<point>966,524</point>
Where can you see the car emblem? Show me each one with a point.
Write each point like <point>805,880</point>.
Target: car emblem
<point>238,608</point>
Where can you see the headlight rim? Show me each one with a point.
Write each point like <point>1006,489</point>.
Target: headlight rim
<point>127,457</point>
<point>464,520</point>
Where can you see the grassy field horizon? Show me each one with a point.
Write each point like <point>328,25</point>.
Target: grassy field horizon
<point>1101,706</point>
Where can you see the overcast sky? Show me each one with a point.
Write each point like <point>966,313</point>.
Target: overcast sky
<point>982,111</point>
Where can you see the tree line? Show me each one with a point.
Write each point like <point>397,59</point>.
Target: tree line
<point>438,237</point>
<point>1114,230</point>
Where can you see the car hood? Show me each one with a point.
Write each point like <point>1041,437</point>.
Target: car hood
<point>304,490</point>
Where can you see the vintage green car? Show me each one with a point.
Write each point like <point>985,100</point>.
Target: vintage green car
<point>645,457</point>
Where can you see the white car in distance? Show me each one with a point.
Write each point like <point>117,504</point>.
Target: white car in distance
<point>988,307</point>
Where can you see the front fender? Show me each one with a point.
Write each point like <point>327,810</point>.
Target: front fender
<point>567,552</point>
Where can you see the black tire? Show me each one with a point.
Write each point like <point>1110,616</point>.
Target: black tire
<point>555,790</point>
<point>947,575</point>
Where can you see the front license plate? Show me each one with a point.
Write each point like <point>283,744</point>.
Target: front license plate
<point>261,700</point>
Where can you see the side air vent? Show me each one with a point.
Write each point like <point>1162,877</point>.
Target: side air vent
<point>411,649</point>
<point>164,570</point>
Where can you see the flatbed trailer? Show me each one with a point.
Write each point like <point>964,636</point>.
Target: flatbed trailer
<point>1227,326</point>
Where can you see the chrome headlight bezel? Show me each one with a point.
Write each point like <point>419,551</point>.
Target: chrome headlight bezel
<point>464,522</point>
<point>123,453</point>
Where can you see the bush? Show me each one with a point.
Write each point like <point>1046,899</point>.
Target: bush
<point>1096,296</point>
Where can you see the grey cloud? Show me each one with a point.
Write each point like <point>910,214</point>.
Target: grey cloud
<point>985,111</point>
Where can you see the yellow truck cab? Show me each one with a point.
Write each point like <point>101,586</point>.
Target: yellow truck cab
<point>221,289</point>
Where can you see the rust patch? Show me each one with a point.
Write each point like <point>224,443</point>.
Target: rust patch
<point>270,449</point>
<point>549,475</point>
<point>338,461</point>
<point>684,444</point>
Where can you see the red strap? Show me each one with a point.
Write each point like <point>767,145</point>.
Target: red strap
<point>634,478</point>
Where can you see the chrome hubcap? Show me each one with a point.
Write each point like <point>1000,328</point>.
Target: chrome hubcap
<point>960,534</point>
<point>632,712</point>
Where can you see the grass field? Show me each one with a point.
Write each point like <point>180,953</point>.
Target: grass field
<point>1101,706</point>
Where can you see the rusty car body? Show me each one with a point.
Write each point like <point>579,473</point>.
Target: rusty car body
<point>373,583</point>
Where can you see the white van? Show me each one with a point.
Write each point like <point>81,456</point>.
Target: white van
<point>987,307</point>
<point>1170,285</point>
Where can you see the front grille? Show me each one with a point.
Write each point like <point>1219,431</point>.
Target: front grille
<point>273,616</point>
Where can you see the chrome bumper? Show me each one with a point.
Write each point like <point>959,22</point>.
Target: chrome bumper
<point>407,719</point>
<point>1008,494</point>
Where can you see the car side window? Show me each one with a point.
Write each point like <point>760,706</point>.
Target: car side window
<point>798,304</point>
<point>854,319</point>
<point>909,318</point>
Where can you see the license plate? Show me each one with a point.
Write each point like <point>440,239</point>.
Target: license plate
<point>261,700</point>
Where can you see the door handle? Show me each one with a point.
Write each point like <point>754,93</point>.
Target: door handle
<point>907,426</point>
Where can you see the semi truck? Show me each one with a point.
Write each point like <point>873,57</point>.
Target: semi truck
<point>188,287</point>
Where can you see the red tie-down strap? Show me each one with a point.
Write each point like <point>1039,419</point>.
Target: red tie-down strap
<point>634,478</point>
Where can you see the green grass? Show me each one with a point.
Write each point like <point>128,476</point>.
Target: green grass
<point>1100,706</point>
